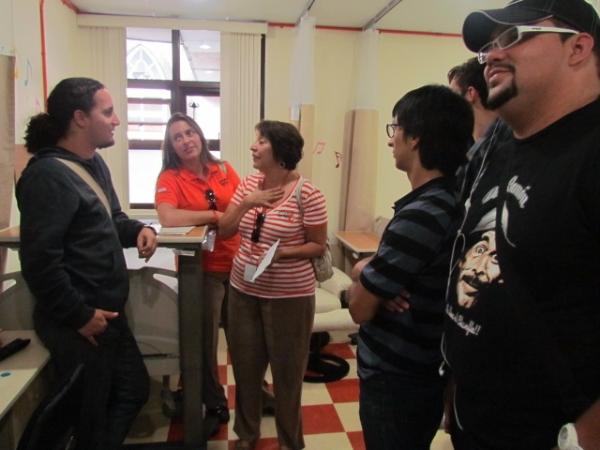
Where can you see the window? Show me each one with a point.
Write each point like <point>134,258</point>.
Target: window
<point>168,71</point>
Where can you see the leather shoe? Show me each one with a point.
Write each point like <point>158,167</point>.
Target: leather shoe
<point>220,412</point>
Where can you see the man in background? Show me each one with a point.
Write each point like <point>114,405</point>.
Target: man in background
<point>467,80</point>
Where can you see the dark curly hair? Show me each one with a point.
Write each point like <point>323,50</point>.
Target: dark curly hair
<point>68,96</point>
<point>286,141</point>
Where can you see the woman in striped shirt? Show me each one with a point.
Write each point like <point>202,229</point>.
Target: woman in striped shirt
<point>270,318</point>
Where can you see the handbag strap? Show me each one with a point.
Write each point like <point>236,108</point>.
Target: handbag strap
<point>89,180</point>
<point>298,194</point>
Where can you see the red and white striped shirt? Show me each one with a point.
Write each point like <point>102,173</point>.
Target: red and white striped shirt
<point>287,277</point>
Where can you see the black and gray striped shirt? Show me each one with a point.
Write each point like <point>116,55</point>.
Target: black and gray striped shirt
<point>413,256</point>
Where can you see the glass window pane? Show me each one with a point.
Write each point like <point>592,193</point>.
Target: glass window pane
<point>162,94</point>
<point>149,54</point>
<point>148,110</point>
<point>206,111</point>
<point>200,55</point>
<point>144,167</point>
<point>137,132</point>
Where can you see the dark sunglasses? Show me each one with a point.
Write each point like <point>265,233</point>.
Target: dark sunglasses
<point>211,199</point>
<point>260,219</point>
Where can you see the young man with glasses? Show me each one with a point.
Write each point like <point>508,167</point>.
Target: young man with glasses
<point>398,351</point>
<point>525,354</point>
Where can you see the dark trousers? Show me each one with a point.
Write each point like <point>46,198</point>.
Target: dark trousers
<point>273,332</point>
<point>400,412</point>
<point>115,383</point>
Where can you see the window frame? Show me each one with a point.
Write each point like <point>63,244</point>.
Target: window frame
<point>179,90</point>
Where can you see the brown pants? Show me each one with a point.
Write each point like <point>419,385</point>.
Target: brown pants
<point>213,292</point>
<point>276,332</point>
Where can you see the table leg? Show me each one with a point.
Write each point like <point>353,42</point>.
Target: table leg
<point>190,347</point>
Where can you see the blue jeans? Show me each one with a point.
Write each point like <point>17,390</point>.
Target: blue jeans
<point>400,411</point>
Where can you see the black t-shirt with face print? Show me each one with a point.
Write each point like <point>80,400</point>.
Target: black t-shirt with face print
<point>538,201</point>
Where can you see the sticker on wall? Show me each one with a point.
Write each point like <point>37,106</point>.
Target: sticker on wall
<point>28,73</point>
<point>319,147</point>
<point>338,159</point>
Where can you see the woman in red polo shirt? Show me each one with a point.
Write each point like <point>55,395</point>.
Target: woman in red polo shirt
<point>194,188</point>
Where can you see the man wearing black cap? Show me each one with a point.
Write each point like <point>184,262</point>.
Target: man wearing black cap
<point>525,356</point>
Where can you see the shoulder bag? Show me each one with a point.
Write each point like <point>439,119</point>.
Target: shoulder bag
<point>322,265</point>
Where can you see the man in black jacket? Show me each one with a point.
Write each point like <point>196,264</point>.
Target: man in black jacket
<point>72,258</point>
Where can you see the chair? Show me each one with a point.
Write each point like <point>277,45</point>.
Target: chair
<point>329,316</point>
<point>53,424</point>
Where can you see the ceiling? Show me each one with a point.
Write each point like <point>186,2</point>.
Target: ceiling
<point>438,16</point>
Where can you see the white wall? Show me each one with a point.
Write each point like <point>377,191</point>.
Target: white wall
<point>405,62</point>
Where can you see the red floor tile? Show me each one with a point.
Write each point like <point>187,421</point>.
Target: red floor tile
<point>356,439</point>
<point>222,372</point>
<point>343,391</point>
<point>175,430</point>
<point>230,392</point>
<point>321,419</point>
<point>222,435</point>
<point>267,444</point>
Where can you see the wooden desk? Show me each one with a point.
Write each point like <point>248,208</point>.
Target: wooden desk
<point>356,245</point>
<point>189,276</point>
<point>358,241</point>
<point>22,385</point>
<point>19,370</point>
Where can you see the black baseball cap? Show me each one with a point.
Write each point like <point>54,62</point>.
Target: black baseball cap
<point>579,14</point>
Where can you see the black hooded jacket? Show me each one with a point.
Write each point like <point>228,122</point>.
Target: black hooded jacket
<point>71,251</point>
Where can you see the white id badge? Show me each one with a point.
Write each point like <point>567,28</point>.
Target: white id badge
<point>249,272</point>
<point>209,243</point>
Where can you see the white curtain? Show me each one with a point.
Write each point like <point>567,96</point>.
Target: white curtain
<point>103,57</point>
<point>362,130</point>
<point>302,70</point>
<point>240,97</point>
<point>366,69</point>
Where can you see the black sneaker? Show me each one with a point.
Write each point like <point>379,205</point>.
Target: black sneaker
<point>220,412</point>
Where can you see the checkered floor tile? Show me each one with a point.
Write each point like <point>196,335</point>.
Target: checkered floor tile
<point>329,412</point>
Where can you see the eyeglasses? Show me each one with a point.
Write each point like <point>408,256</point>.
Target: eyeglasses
<point>390,129</point>
<point>260,219</point>
<point>211,199</point>
<point>514,35</point>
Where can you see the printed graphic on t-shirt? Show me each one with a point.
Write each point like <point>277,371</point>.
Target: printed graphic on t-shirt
<point>478,271</point>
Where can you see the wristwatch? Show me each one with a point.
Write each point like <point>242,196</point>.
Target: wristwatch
<point>567,438</point>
